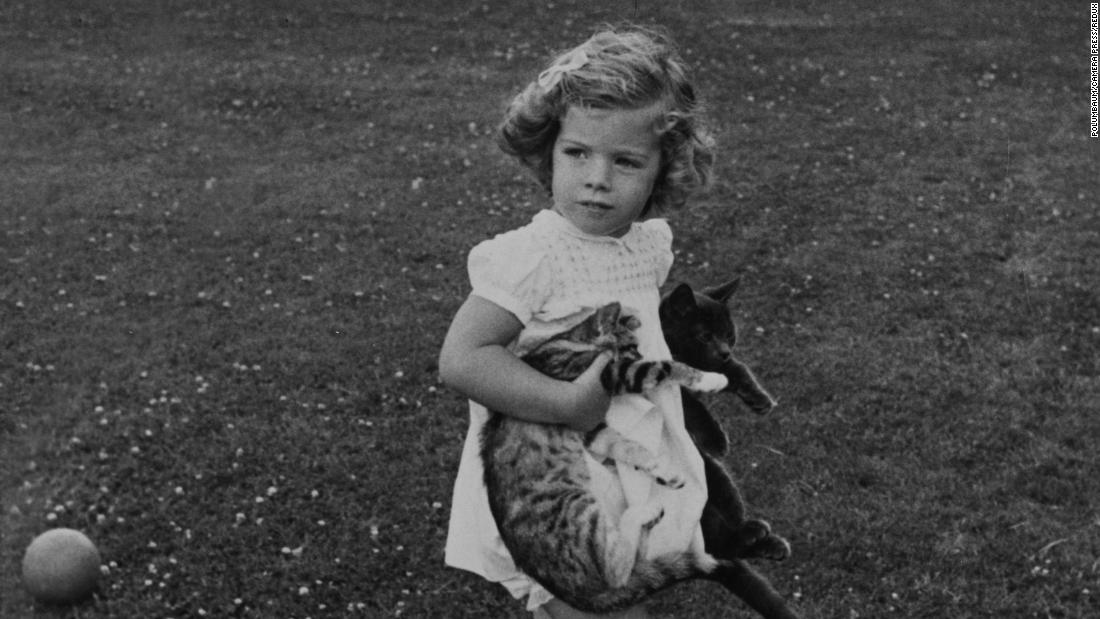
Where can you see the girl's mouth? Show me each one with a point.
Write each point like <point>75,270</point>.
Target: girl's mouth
<point>597,205</point>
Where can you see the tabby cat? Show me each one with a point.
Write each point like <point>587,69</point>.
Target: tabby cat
<point>537,477</point>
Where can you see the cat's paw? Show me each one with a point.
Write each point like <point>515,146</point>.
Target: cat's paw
<point>757,541</point>
<point>751,532</point>
<point>771,547</point>
<point>656,514</point>
<point>710,382</point>
<point>650,515</point>
<point>672,480</point>
<point>760,402</point>
<point>663,473</point>
<point>643,517</point>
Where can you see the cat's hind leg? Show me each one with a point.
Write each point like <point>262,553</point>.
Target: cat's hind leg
<point>607,443</point>
<point>623,544</point>
<point>726,530</point>
<point>766,544</point>
<point>705,431</point>
<point>753,539</point>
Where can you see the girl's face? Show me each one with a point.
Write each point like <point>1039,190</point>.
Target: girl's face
<point>605,162</point>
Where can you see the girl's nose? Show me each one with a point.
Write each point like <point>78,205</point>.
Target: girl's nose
<point>598,175</point>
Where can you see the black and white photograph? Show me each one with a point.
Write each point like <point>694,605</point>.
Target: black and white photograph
<point>549,309</point>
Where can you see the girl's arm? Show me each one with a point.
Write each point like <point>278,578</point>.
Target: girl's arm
<point>475,362</point>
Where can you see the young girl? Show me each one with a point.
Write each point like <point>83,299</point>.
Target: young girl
<point>611,130</point>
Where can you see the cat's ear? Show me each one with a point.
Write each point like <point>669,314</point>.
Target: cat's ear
<point>723,292</point>
<point>608,315</point>
<point>681,300</point>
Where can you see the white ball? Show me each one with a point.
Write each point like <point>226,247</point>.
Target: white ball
<point>61,566</point>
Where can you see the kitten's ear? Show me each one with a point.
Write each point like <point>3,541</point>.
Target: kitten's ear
<point>681,300</point>
<point>608,315</point>
<point>723,292</point>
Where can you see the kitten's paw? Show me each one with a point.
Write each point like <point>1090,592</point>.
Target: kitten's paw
<point>655,516</point>
<point>644,517</point>
<point>758,542</point>
<point>752,539</point>
<point>759,402</point>
<point>663,473</point>
<point>671,480</point>
<point>772,547</point>
<point>752,532</point>
<point>710,382</point>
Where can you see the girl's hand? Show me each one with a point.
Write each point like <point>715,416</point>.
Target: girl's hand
<point>590,400</point>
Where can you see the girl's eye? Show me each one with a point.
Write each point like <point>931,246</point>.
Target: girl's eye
<point>573,152</point>
<point>630,163</point>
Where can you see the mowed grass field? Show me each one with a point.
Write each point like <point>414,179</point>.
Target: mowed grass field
<point>233,233</point>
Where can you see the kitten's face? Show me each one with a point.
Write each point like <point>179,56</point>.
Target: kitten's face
<point>616,328</point>
<point>608,329</point>
<point>698,327</point>
<point>604,324</point>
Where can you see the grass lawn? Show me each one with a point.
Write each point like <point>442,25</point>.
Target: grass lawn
<point>232,235</point>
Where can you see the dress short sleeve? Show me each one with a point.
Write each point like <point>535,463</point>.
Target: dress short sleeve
<point>509,272</point>
<point>659,238</point>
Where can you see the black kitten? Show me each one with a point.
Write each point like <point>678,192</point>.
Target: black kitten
<point>700,332</point>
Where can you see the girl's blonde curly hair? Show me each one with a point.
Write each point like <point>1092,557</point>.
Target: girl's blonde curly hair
<point>625,68</point>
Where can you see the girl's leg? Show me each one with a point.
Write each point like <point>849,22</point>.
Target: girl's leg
<point>556,609</point>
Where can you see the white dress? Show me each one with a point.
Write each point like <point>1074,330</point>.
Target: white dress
<point>550,275</point>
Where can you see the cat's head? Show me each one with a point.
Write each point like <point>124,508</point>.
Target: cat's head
<point>609,328</point>
<point>605,319</point>
<point>697,325</point>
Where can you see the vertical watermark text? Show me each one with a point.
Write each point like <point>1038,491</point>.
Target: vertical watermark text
<point>1094,68</point>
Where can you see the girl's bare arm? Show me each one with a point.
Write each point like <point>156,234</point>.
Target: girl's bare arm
<point>475,362</point>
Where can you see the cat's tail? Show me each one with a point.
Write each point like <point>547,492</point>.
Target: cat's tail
<point>744,582</point>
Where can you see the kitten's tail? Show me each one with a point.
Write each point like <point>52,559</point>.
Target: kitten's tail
<point>753,589</point>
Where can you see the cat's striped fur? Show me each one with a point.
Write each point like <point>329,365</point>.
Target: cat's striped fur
<point>537,478</point>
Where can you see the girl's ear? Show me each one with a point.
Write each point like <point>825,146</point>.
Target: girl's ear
<point>723,292</point>
<point>681,300</point>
